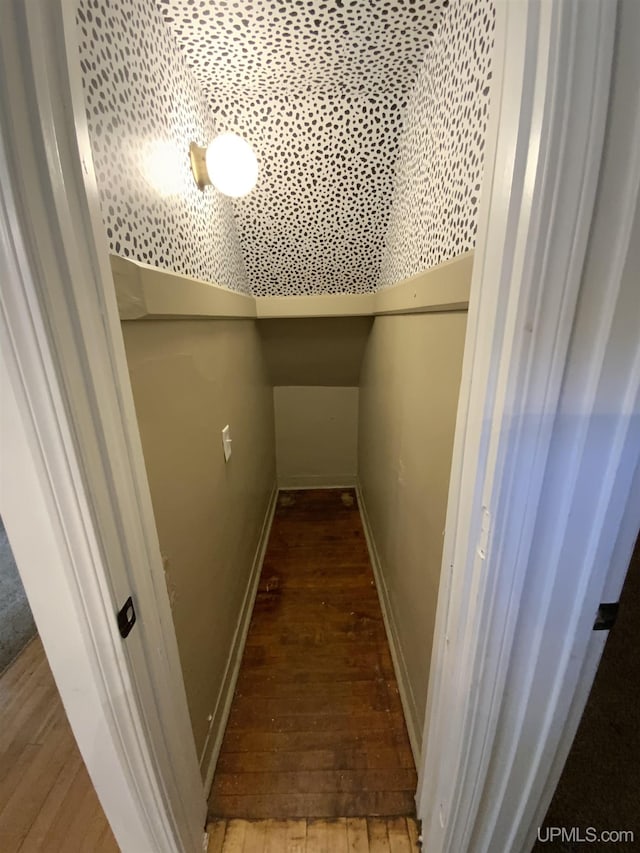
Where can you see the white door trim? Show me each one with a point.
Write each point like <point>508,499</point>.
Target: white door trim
<point>519,574</point>
<point>75,457</point>
<point>75,496</point>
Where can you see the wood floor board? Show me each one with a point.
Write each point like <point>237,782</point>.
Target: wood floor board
<point>337,833</point>
<point>307,638</point>
<point>28,667</point>
<point>317,841</point>
<point>247,742</point>
<point>254,838</point>
<point>325,674</point>
<point>322,658</point>
<point>256,721</point>
<point>316,728</point>
<point>315,781</point>
<point>52,805</point>
<point>338,606</point>
<point>216,830</point>
<point>30,791</point>
<point>373,758</point>
<point>234,836</point>
<point>378,836</point>
<point>107,843</point>
<point>351,804</point>
<point>316,835</point>
<point>412,832</point>
<point>47,801</point>
<point>77,825</point>
<point>296,836</point>
<point>275,836</point>
<point>24,715</point>
<point>336,691</point>
<point>398,837</point>
<point>364,690</point>
<point>357,835</point>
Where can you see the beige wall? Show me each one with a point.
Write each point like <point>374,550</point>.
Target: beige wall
<point>190,378</point>
<point>315,350</point>
<point>314,364</point>
<point>408,399</point>
<point>316,435</point>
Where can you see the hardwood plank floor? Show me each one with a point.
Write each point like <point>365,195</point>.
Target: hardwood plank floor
<point>316,728</point>
<point>339,835</point>
<point>47,800</point>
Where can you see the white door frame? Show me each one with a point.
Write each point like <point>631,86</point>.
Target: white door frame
<point>73,449</point>
<point>75,496</point>
<point>547,436</point>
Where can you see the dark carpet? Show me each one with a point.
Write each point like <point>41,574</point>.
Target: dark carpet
<point>600,784</point>
<point>16,622</point>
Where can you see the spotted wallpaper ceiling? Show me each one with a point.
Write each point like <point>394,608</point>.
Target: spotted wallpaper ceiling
<point>368,120</point>
<point>317,88</point>
<point>439,170</point>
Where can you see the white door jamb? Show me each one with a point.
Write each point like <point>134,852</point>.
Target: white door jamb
<point>541,482</point>
<point>75,459</point>
<point>75,496</point>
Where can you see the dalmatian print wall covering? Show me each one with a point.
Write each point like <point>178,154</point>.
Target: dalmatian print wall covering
<point>144,107</point>
<point>438,174</point>
<point>317,88</point>
<point>320,90</point>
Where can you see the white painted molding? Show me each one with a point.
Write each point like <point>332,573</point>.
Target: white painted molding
<point>514,617</point>
<point>443,288</point>
<point>225,697</point>
<point>325,305</point>
<point>143,291</point>
<point>79,502</point>
<point>411,716</point>
<point>146,292</point>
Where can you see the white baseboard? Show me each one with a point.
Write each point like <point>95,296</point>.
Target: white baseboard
<point>414,724</point>
<point>225,696</point>
<point>317,481</point>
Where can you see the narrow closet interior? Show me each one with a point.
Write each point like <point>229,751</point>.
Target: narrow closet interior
<point>320,320</point>
<point>336,490</point>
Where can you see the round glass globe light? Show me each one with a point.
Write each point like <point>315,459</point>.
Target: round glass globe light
<point>232,165</point>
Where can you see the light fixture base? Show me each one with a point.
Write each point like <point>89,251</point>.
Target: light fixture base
<point>197,155</point>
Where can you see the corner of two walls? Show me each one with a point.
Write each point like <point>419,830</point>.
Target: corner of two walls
<point>314,366</point>
<point>189,377</point>
<point>413,363</point>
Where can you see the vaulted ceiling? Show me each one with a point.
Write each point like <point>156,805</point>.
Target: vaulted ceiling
<point>318,89</point>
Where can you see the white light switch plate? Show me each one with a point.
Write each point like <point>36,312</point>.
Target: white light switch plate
<point>226,443</point>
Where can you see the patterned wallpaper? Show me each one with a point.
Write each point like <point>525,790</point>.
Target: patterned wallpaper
<point>368,119</point>
<point>439,169</point>
<point>317,219</point>
<point>143,109</point>
<point>317,88</point>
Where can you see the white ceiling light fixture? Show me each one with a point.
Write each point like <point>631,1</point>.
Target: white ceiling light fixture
<point>229,163</point>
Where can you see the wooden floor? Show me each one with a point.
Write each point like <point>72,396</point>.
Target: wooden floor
<point>344,835</point>
<point>47,801</point>
<point>316,728</point>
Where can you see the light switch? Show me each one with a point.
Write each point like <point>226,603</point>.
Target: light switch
<point>226,443</point>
